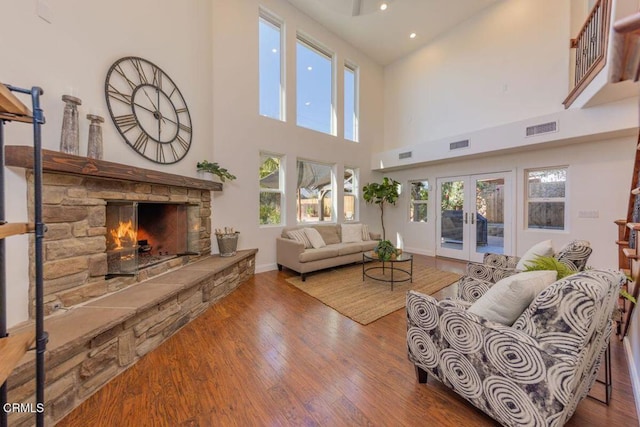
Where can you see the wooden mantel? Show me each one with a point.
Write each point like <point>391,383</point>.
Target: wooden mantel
<point>54,161</point>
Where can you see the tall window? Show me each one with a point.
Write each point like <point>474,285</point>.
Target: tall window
<point>270,67</point>
<point>271,189</point>
<point>350,103</point>
<point>314,195</point>
<point>419,199</point>
<point>350,194</point>
<point>546,198</point>
<point>314,87</point>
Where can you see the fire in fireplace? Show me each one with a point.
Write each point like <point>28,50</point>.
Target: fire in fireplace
<point>141,234</point>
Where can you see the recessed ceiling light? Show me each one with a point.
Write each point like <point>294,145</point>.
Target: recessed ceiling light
<point>412,35</point>
<point>307,103</point>
<point>309,68</point>
<point>384,6</point>
<point>274,50</point>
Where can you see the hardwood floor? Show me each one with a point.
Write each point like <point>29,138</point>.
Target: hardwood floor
<point>268,354</point>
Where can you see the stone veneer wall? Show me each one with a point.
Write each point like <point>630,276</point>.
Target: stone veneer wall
<point>74,211</point>
<point>90,345</point>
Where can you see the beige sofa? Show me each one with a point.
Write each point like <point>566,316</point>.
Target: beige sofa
<point>294,255</point>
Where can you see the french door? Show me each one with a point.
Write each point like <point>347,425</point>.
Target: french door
<point>474,215</point>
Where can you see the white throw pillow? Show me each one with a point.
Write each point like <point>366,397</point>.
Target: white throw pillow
<point>351,233</point>
<point>365,233</point>
<point>315,238</point>
<point>299,236</point>
<point>544,248</point>
<point>505,301</point>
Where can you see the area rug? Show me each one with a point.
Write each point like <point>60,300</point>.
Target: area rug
<point>365,301</point>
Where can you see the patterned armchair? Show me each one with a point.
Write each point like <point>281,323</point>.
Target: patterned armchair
<point>534,372</point>
<point>497,266</point>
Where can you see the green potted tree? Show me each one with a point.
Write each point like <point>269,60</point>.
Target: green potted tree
<point>214,168</point>
<point>381,194</point>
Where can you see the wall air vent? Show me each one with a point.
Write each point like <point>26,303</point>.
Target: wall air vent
<point>458,144</point>
<point>405,155</point>
<point>542,128</point>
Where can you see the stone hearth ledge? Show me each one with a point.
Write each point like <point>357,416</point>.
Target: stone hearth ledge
<point>80,333</point>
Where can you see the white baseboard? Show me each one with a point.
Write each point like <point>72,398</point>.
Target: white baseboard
<point>633,375</point>
<point>419,251</point>
<point>262,268</point>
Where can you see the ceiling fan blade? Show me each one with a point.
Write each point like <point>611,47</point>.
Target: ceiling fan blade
<point>357,5</point>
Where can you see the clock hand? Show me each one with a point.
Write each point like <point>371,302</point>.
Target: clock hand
<point>159,123</point>
<point>152,104</point>
<point>149,110</point>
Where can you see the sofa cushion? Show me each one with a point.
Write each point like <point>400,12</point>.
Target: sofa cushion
<point>348,248</point>
<point>317,254</point>
<point>299,236</point>
<point>544,248</point>
<point>351,233</point>
<point>315,238</point>
<point>505,301</point>
<point>329,233</point>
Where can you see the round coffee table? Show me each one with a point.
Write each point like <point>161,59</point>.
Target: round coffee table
<point>397,268</point>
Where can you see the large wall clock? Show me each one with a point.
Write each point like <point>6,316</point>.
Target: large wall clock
<point>148,109</point>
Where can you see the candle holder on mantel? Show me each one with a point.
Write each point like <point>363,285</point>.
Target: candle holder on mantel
<point>94,147</point>
<point>70,140</point>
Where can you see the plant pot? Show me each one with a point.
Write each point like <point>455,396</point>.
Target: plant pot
<point>208,176</point>
<point>227,243</point>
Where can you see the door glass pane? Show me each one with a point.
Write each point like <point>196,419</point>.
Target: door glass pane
<point>490,215</point>
<point>452,215</point>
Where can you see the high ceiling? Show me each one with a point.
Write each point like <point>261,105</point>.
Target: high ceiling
<point>384,36</point>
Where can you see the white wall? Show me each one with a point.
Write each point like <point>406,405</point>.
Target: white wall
<point>240,133</point>
<point>71,55</point>
<point>596,182</point>
<point>486,81</point>
<point>507,64</point>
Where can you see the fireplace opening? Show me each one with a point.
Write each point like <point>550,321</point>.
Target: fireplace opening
<point>142,234</point>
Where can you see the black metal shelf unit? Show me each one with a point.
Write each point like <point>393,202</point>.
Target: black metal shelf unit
<point>12,110</point>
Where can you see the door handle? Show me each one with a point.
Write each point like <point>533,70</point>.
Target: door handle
<point>465,218</point>
<point>473,219</point>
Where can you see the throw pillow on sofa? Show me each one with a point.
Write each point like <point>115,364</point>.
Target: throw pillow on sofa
<point>315,238</point>
<point>505,301</point>
<point>300,236</point>
<point>365,233</point>
<point>351,233</point>
<point>329,233</point>
<point>544,248</point>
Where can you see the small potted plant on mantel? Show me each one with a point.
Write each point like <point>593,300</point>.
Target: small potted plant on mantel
<point>209,169</point>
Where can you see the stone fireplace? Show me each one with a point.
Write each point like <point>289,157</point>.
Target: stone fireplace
<point>170,215</point>
<point>113,321</point>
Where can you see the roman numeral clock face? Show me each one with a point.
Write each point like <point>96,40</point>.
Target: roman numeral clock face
<point>148,109</point>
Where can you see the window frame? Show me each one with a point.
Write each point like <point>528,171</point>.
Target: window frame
<point>332,187</point>
<point>528,200</point>
<point>354,193</point>
<point>318,48</point>
<point>273,20</point>
<point>280,190</point>
<point>413,202</point>
<point>355,70</point>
